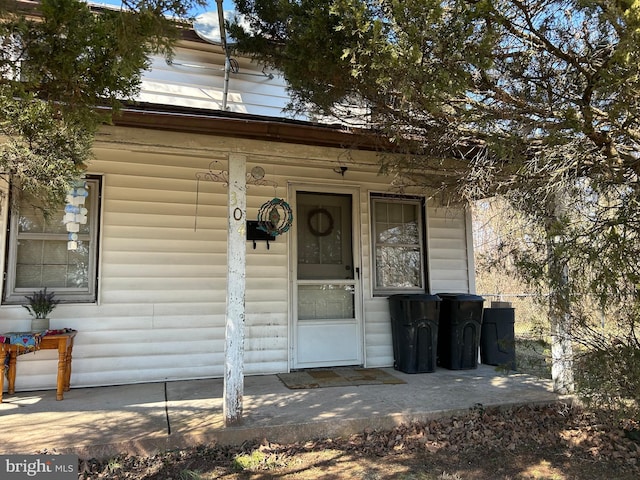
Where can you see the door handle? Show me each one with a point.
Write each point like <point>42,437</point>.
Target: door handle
<point>358,272</point>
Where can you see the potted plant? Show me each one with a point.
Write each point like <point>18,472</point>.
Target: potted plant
<point>41,304</point>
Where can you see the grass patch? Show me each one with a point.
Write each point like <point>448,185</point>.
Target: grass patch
<point>257,460</point>
<point>249,461</point>
<point>533,356</point>
<point>190,475</point>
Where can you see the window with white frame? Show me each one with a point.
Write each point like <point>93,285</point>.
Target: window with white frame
<point>44,253</point>
<point>398,246</point>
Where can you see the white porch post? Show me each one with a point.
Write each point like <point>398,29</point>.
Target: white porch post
<point>561,340</point>
<point>236,266</point>
<point>559,300</point>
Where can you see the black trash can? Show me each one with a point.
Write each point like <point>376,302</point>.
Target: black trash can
<point>459,330</point>
<point>414,329</point>
<point>498,340</point>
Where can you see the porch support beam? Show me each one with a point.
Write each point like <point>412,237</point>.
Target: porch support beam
<point>559,298</point>
<point>236,279</point>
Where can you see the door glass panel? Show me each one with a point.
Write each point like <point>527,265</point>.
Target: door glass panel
<point>324,226</point>
<point>320,240</point>
<point>325,302</point>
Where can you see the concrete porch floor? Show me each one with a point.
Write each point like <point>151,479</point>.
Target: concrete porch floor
<point>146,418</point>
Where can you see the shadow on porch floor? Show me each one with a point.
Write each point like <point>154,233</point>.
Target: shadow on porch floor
<point>145,418</point>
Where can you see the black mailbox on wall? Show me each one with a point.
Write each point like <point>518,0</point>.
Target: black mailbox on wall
<point>257,234</point>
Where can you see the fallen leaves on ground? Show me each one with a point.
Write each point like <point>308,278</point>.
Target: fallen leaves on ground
<point>567,440</point>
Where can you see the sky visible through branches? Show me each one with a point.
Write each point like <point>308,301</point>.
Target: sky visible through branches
<point>227,4</point>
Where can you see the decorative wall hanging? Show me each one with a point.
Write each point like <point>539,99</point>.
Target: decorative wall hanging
<point>317,217</point>
<point>275,216</point>
<point>75,214</point>
<point>254,177</point>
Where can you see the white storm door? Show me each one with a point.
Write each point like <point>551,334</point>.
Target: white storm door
<point>327,320</point>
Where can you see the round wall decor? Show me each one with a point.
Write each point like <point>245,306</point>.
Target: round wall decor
<point>275,216</point>
<point>315,216</point>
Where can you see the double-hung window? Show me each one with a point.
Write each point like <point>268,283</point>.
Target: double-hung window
<point>398,246</point>
<point>40,254</point>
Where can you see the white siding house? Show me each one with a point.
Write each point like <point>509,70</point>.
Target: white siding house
<point>315,296</point>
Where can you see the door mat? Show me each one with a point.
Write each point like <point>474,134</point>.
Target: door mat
<point>337,377</point>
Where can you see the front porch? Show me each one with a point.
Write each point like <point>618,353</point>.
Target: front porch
<point>144,418</point>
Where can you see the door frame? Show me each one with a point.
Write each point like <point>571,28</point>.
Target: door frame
<point>356,227</point>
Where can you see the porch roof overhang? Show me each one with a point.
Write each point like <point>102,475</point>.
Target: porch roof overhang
<point>255,127</point>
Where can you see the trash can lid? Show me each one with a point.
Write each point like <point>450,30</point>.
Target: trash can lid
<point>419,297</point>
<point>461,297</point>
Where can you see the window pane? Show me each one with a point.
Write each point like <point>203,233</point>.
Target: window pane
<point>410,233</point>
<point>398,267</point>
<point>48,263</point>
<point>399,261</point>
<point>39,254</point>
<point>28,275</point>
<point>410,213</point>
<point>30,252</point>
<point>397,223</point>
<point>55,252</point>
<point>387,233</point>
<point>394,213</point>
<point>381,212</point>
<point>407,234</point>
<point>53,276</point>
<point>33,221</point>
<point>30,220</point>
<point>325,302</point>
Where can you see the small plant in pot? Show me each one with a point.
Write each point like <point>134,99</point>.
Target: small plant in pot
<point>40,305</point>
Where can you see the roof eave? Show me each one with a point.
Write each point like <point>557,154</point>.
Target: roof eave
<point>250,127</point>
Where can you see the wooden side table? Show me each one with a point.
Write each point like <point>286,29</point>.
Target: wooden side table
<point>63,342</point>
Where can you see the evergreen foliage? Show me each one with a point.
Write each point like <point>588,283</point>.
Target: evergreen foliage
<point>535,101</point>
<point>63,69</point>
<point>520,90</point>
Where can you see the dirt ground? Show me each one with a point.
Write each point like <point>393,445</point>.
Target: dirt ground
<point>552,442</point>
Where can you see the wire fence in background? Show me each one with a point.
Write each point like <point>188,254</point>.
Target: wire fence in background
<point>532,331</point>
